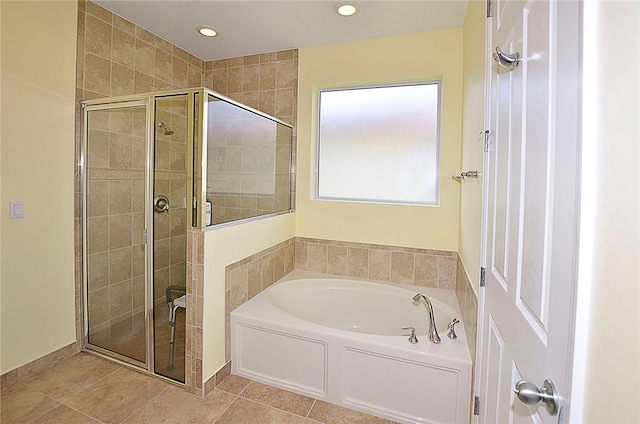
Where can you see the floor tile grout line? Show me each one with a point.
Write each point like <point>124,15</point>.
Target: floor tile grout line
<point>279,409</point>
<point>59,403</point>
<point>34,420</point>
<point>146,403</point>
<point>311,409</point>
<point>235,397</point>
<point>271,407</point>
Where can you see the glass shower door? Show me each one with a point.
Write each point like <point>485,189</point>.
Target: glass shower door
<point>170,221</point>
<point>114,206</point>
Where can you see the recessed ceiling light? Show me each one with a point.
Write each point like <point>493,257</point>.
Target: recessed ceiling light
<point>345,9</point>
<point>207,32</point>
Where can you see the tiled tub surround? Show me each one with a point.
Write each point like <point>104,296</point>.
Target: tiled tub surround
<point>468,301</point>
<point>379,263</point>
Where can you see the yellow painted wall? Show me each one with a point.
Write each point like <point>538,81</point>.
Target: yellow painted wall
<point>421,56</point>
<point>37,136</point>
<point>222,247</point>
<point>470,242</point>
<point>613,348</point>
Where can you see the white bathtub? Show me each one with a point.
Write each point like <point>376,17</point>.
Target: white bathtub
<point>341,341</point>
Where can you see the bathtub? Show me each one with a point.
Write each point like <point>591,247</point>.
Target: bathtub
<point>341,341</point>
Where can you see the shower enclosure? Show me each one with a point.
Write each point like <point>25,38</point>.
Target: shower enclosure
<point>154,166</point>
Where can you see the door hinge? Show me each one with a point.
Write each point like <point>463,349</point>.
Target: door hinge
<point>144,236</point>
<point>476,406</point>
<point>485,133</point>
<point>482,276</point>
<point>489,14</point>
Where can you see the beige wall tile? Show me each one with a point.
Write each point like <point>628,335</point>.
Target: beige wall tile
<point>120,151</point>
<point>250,76</point>
<point>120,298</point>
<point>164,64</point>
<point>402,267</point>
<point>358,262</point>
<point>98,37</point>
<point>123,48</point>
<point>98,307</point>
<point>97,74</point>
<point>234,82</point>
<point>120,231</point>
<point>337,260</point>
<point>144,57</point>
<point>143,83</point>
<point>426,271</point>
<point>317,258</point>
<point>97,198</point>
<point>161,253</point>
<point>447,272</point>
<point>98,271</point>
<point>97,11</point>
<point>122,79</point>
<point>120,265</point>
<point>120,196</point>
<point>98,149</point>
<point>98,235</point>
<point>380,265</point>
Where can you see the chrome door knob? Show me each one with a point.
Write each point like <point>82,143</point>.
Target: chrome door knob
<point>530,394</point>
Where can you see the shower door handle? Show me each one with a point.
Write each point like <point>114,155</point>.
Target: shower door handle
<point>161,203</point>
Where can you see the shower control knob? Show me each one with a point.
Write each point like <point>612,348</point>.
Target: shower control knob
<point>161,203</point>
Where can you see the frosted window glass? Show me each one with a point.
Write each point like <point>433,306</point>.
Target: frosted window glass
<point>379,144</point>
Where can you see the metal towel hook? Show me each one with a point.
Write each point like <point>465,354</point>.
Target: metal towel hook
<point>510,61</point>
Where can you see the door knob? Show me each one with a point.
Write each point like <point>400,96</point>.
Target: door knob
<point>530,394</point>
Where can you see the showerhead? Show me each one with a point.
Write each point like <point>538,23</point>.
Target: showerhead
<point>167,130</point>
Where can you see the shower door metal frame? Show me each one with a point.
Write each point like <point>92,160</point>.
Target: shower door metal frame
<point>148,101</point>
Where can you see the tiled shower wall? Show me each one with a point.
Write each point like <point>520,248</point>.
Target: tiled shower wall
<point>170,179</point>
<point>267,82</point>
<point>115,211</point>
<point>116,57</point>
<point>248,166</point>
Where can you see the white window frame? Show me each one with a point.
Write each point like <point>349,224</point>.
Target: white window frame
<point>436,171</point>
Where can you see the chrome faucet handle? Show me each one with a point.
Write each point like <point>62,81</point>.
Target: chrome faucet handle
<point>452,331</point>
<point>412,338</point>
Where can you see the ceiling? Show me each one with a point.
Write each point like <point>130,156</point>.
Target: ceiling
<point>251,27</point>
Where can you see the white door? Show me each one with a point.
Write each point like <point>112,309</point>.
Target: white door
<point>531,190</point>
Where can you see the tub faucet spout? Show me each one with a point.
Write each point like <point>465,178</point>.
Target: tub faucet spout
<point>433,331</point>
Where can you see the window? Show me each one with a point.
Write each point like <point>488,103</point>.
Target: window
<point>379,143</point>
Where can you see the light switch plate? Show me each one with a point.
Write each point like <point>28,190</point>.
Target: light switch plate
<point>16,210</point>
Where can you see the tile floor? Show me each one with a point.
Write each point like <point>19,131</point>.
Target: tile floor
<point>89,389</point>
